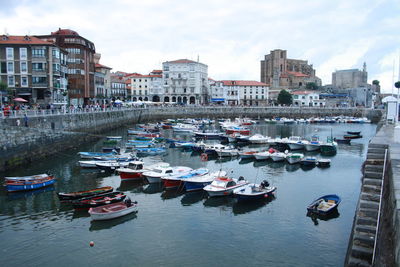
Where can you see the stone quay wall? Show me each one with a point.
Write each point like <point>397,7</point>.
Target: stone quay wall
<point>51,133</point>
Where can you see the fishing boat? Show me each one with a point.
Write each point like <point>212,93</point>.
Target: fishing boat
<point>171,182</point>
<point>151,151</point>
<point>90,155</point>
<point>323,163</point>
<point>342,141</point>
<point>13,185</point>
<point>237,129</point>
<point>98,200</point>
<point>309,161</point>
<point>199,182</point>
<point>258,139</point>
<point>264,155</point>
<point>86,193</point>
<point>135,170</point>
<point>329,147</point>
<point>293,158</point>
<point>227,152</point>
<point>113,165</point>
<point>113,210</point>
<point>352,136</point>
<point>184,128</point>
<point>251,192</point>
<point>155,175</point>
<point>207,135</point>
<point>324,205</point>
<point>355,133</point>
<point>247,154</point>
<point>26,178</point>
<point>278,156</point>
<point>295,143</point>
<point>223,186</point>
<point>313,144</point>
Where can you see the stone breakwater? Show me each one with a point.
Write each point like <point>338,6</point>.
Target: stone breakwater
<point>49,134</point>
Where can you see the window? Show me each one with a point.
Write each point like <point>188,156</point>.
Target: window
<point>166,76</point>
<point>38,80</point>
<point>10,67</point>
<point>38,52</point>
<point>38,66</point>
<point>56,67</point>
<point>192,89</point>
<point>56,53</point>
<point>24,81</point>
<point>3,67</point>
<point>10,53</point>
<point>23,53</point>
<point>166,68</point>
<point>140,92</point>
<point>191,67</point>
<point>11,81</point>
<point>24,67</point>
<point>184,90</point>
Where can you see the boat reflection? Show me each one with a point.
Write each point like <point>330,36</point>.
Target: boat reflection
<point>315,217</point>
<point>276,165</point>
<point>246,161</point>
<point>246,207</point>
<point>170,194</point>
<point>219,201</point>
<point>260,163</point>
<point>193,197</point>
<point>292,167</point>
<point>307,167</point>
<point>153,188</point>
<point>80,213</point>
<point>134,186</point>
<point>26,194</point>
<point>108,224</point>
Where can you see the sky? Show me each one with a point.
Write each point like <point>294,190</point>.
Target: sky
<point>230,36</point>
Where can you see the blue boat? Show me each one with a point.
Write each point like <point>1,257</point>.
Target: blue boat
<point>177,180</point>
<point>309,161</point>
<point>24,185</point>
<point>90,155</point>
<point>152,151</point>
<point>324,205</point>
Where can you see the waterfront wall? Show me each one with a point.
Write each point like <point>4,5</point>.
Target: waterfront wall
<point>97,122</point>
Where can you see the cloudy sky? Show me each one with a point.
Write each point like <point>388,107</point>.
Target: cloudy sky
<point>230,36</point>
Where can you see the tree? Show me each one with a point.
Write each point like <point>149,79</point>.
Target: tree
<point>285,98</point>
<point>375,82</point>
<point>312,86</point>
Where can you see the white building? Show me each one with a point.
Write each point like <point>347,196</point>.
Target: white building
<point>217,93</point>
<point>307,98</point>
<point>185,81</point>
<point>250,93</point>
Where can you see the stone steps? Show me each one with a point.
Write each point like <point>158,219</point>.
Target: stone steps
<point>362,242</point>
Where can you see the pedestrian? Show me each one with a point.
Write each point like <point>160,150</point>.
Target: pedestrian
<point>26,120</point>
<point>18,122</point>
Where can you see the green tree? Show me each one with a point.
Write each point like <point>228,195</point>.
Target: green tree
<point>375,82</point>
<point>312,86</point>
<point>285,98</point>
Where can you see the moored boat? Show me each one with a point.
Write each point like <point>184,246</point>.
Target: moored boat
<point>352,136</point>
<point>312,145</point>
<point>223,186</point>
<point>199,182</point>
<point>13,185</point>
<point>113,210</point>
<point>309,161</point>
<point>86,193</point>
<point>323,163</point>
<point>136,169</point>
<point>293,158</point>
<point>324,205</point>
<point>98,200</point>
<point>252,192</point>
<point>154,176</point>
<point>175,181</point>
<point>342,141</point>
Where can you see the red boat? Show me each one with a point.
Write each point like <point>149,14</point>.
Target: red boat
<point>133,171</point>
<point>148,135</point>
<point>241,130</point>
<point>98,200</point>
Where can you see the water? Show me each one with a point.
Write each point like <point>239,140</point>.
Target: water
<point>176,229</point>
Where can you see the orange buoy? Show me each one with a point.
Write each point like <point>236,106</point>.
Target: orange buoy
<point>91,243</point>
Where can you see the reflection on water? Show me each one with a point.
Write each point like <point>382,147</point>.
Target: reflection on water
<point>316,217</point>
<point>219,201</point>
<point>153,188</point>
<point>170,194</point>
<point>134,186</point>
<point>246,161</point>
<point>80,213</point>
<point>27,194</point>
<point>292,167</point>
<point>108,224</point>
<point>241,207</point>
<point>307,167</point>
<point>193,197</point>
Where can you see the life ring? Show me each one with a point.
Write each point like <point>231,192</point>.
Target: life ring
<point>204,157</point>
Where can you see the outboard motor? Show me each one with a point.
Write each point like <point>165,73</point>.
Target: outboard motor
<point>264,184</point>
<point>241,178</point>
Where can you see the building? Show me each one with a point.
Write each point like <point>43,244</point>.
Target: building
<point>102,83</point>
<point>185,81</point>
<point>81,64</point>
<point>307,99</point>
<point>352,78</point>
<point>217,93</point>
<point>34,69</point>
<point>280,72</point>
<point>251,93</point>
<point>118,87</point>
<point>145,87</point>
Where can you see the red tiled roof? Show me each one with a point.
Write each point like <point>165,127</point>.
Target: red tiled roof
<point>65,32</point>
<point>8,39</point>
<point>102,66</point>
<point>303,92</point>
<point>242,83</point>
<point>137,75</point>
<point>156,71</point>
<point>182,61</point>
<point>297,74</point>
<point>284,75</point>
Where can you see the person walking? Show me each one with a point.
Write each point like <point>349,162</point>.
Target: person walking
<point>26,120</point>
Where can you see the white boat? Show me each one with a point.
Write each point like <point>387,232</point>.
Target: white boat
<point>295,143</point>
<point>155,175</point>
<point>136,169</point>
<point>293,158</point>
<point>262,155</point>
<point>247,154</point>
<point>199,182</point>
<point>252,192</point>
<point>210,148</point>
<point>112,164</point>
<point>113,210</point>
<point>114,137</point>
<point>278,156</point>
<point>312,145</point>
<point>181,127</point>
<point>223,186</point>
<point>227,152</point>
<point>27,178</point>
<point>258,139</point>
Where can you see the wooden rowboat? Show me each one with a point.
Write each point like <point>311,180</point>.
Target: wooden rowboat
<point>98,200</point>
<point>114,210</point>
<point>86,193</point>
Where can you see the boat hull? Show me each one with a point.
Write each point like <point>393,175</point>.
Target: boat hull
<point>131,175</point>
<point>99,216</point>
<point>27,187</point>
<point>195,186</point>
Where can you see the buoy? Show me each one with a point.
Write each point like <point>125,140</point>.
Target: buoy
<point>91,243</point>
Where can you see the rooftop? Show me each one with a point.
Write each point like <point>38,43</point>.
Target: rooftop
<point>31,40</point>
<point>242,83</point>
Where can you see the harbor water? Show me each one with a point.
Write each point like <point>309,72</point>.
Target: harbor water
<point>174,228</point>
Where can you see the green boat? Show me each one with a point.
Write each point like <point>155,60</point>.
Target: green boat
<point>328,148</point>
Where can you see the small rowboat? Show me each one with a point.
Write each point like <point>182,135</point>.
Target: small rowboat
<point>324,205</point>
<point>27,178</point>
<point>82,194</point>
<point>352,136</point>
<point>342,141</point>
<point>252,191</point>
<point>98,200</point>
<point>114,210</point>
<point>355,133</point>
<point>13,185</point>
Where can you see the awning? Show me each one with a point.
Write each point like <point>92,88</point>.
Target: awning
<point>217,99</point>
